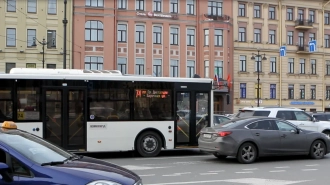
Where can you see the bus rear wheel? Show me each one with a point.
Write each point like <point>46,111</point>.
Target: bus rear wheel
<point>149,144</point>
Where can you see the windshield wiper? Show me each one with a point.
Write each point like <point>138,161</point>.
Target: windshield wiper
<point>52,163</point>
<point>73,158</point>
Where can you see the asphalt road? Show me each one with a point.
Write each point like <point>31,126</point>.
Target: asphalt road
<point>180,167</point>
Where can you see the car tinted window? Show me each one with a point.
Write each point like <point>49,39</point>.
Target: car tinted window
<point>302,116</point>
<point>282,126</point>
<point>261,113</point>
<point>261,125</point>
<point>321,117</point>
<point>286,115</point>
<point>245,113</point>
<point>231,124</point>
<point>220,119</point>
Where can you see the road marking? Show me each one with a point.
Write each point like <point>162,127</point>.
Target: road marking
<point>274,171</point>
<point>250,169</point>
<point>244,172</point>
<point>312,165</point>
<point>309,169</point>
<point>283,167</point>
<point>147,175</point>
<point>216,171</point>
<point>131,167</point>
<point>250,181</point>
<point>160,158</point>
<point>208,173</point>
<point>183,173</point>
<point>171,175</point>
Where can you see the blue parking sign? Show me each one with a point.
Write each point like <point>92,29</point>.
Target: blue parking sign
<point>312,45</point>
<point>283,51</point>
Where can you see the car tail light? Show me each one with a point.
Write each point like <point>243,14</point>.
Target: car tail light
<point>224,133</point>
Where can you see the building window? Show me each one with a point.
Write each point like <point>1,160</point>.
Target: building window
<point>241,35</point>
<point>122,4</point>
<point>31,37</point>
<point>291,91</point>
<point>241,10</point>
<point>258,61</point>
<point>272,64</point>
<point>302,66</point>
<point>207,69</point>
<point>218,37</point>
<point>94,63</point>
<point>31,6</point>
<point>257,36</point>
<point>272,91</point>
<point>272,37</point>
<point>174,68</point>
<point>9,66</point>
<point>271,12</point>
<point>242,87</point>
<point>214,8</point>
<point>311,36</point>
<point>289,14</point>
<point>94,31</point>
<point>328,67</point>
<point>139,4</point>
<point>11,5</point>
<point>157,5</point>
<point>174,6</point>
<point>291,65</point>
<point>327,92</point>
<point>174,34</point>
<point>242,63</point>
<point>190,7</point>
<point>218,68</point>
<point>313,92</point>
<point>51,39</point>
<point>11,37</point>
<point>157,68</point>
<point>157,33</point>
<point>301,14</point>
<point>326,41</point>
<point>139,34</point>
<point>313,67</point>
<point>326,18</point>
<point>290,38</point>
<point>139,66</point>
<point>302,92</point>
<point>190,68</point>
<point>256,90</point>
<point>122,65</point>
<point>98,3</point>
<point>121,33</point>
<point>312,16</point>
<point>51,66</point>
<point>301,39</point>
<point>52,6</point>
<point>206,37</point>
<point>190,37</point>
<point>256,11</point>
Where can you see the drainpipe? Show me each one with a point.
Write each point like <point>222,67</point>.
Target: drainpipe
<point>323,63</point>
<point>280,68</point>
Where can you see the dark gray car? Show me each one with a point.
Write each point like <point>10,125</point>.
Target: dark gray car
<point>252,137</point>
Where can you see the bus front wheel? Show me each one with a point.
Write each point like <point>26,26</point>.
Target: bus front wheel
<point>149,144</point>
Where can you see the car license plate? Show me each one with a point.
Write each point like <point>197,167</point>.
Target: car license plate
<point>207,136</point>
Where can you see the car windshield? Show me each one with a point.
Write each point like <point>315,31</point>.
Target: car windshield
<point>34,148</point>
<point>248,113</point>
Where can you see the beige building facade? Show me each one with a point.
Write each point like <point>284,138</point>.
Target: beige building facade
<point>24,25</point>
<point>300,78</point>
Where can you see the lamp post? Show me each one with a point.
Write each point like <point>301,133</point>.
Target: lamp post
<point>43,43</point>
<point>258,56</point>
<point>65,22</point>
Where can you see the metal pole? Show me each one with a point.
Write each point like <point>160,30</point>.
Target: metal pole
<point>65,22</point>
<point>258,95</point>
<point>43,53</point>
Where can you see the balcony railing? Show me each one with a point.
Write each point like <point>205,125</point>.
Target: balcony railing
<point>217,17</point>
<point>303,23</point>
<point>302,49</point>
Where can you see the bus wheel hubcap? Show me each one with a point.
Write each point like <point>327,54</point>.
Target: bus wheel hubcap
<point>149,144</point>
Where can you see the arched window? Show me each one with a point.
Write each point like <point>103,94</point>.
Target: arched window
<point>94,31</point>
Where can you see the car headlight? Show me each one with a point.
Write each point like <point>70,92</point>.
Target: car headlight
<point>103,182</point>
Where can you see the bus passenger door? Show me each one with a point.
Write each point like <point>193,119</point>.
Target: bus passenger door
<point>64,117</point>
<point>202,107</point>
<point>183,122</point>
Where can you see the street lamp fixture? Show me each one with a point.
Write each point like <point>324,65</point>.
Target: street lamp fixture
<point>43,43</point>
<point>259,58</point>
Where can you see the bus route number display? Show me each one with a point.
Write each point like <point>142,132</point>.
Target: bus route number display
<point>142,93</point>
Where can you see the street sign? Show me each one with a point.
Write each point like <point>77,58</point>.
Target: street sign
<point>283,51</point>
<point>312,45</point>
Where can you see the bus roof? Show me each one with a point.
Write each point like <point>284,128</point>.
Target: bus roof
<point>81,74</point>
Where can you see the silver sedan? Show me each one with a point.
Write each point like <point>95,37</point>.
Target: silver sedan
<point>253,137</point>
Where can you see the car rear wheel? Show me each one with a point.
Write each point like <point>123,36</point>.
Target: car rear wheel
<point>317,150</point>
<point>220,156</point>
<point>149,144</point>
<point>247,153</point>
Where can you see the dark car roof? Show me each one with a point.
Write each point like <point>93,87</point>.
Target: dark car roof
<point>320,113</point>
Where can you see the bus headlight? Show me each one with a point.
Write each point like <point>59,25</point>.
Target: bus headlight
<point>103,182</point>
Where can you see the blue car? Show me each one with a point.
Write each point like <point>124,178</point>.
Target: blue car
<point>28,159</point>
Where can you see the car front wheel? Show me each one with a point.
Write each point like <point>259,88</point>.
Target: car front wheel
<point>317,150</point>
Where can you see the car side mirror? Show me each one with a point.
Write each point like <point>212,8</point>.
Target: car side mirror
<point>4,172</point>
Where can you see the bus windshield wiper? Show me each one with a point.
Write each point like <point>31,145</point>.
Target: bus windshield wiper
<point>52,163</point>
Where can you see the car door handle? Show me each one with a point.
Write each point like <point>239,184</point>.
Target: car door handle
<point>284,135</point>
<point>257,134</point>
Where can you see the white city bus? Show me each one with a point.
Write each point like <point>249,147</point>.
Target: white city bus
<point>104,111</point>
